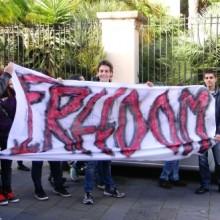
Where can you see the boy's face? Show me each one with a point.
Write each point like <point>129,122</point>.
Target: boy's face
<point>210,80</point>
<point>104,73</point>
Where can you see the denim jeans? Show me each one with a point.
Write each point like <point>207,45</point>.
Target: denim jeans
<point>105,168</point>
<point>205,175</point>
<point>170,171</point>
<point>91,167</point>
<point>89,175</point>
<point>99,175</point>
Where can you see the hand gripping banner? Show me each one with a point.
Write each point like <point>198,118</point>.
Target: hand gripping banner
<point>80,120</point>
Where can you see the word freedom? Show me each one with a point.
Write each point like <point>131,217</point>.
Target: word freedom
<point>80,103</point>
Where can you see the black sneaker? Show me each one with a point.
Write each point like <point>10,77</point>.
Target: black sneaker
<point>62,192</point>
<point>201,190</point>
<point>41,195</point>
<point>114,193</point>
<point>88,199</point>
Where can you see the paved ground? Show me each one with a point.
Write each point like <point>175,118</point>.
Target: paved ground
<point>145,200</point>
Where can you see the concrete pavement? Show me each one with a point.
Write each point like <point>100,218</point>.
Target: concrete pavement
<point>144,201</point>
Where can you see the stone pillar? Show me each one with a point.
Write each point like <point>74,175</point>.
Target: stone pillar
<point>120,39</point>
<point>193,4</point>
<point>195,24</point>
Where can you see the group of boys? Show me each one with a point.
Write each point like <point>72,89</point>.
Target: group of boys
<point>170,173</point>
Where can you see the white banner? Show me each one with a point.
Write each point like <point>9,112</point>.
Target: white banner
<point>80,120</point>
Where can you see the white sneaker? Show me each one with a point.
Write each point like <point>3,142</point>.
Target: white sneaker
<point>114,193</point>
<point>88,199</point>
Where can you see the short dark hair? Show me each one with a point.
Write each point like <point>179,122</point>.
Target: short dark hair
<point>209,71</point>
<point>76,77</point>
<point>105,63</point>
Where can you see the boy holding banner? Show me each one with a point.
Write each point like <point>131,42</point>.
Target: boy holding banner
<point>210,80</point>
<point>7,112</point>
<point>55,178</point>
<point>104,74</point>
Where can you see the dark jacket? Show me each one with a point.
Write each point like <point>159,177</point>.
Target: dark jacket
<point>217,110</point>
<point>4,78</point>
<point>7,113</point>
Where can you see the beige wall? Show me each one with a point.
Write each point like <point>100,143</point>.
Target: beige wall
<point>120,39</point>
